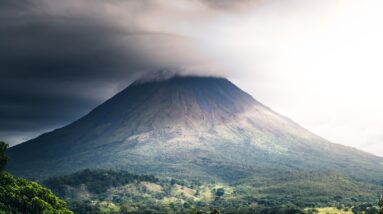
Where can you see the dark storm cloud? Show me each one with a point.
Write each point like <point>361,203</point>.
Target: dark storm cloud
<point>59,59</point>
<point>52,68</point>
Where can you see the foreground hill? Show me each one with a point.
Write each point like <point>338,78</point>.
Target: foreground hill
<point>189,127</point>
<point>18,196</point>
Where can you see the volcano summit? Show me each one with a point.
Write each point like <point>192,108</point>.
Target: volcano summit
<point>187,126</point>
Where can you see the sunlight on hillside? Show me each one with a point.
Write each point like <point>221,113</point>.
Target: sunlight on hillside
<point>333,210</point>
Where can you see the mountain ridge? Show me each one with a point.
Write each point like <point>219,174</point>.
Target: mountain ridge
<point>187,126</point>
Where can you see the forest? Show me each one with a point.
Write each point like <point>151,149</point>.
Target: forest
<point>112,191</point>
<point>109,191</point>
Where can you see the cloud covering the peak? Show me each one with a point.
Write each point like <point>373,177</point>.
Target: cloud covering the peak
<point>58,59</point>
<point>307,59</point>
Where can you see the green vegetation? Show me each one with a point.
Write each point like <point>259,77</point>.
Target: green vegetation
<point>268,191</point>
<point>308,189</point>
<point>96,182</point>
<point>108,191</point>
<point>18,195</point>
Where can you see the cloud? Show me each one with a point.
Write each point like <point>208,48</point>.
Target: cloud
<point>316,61</point>
<point>229,5</point>
<point>59,59</point>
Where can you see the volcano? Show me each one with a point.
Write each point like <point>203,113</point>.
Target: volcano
<point>191,127</point>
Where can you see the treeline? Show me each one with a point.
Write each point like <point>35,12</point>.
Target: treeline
<point>108,191</point>
<point>89,207</point>
<point>96,181</point>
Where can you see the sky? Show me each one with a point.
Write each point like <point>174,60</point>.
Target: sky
<point>315,61</point>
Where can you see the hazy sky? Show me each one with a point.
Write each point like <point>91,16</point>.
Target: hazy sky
<point>315,61</point>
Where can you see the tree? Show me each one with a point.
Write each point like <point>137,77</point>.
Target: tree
<point>3,158</point>
<point>173,181</point>
<point>220,192</point>
<point>380,204</point>
<point>19,195</point>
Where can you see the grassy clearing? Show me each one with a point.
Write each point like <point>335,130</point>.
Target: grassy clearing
<point>332,210</point>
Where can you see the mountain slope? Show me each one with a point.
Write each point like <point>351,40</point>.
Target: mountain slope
<point>202,127</point>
